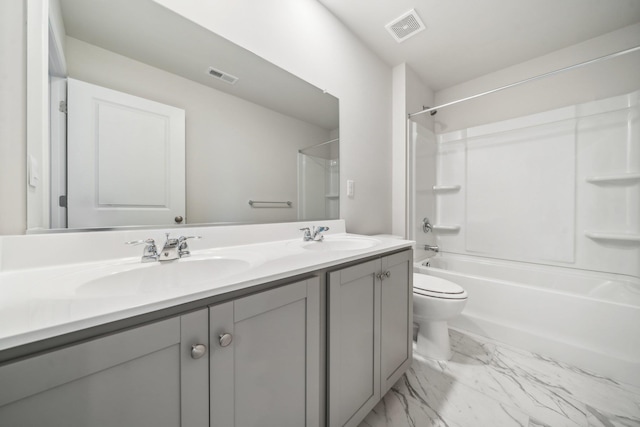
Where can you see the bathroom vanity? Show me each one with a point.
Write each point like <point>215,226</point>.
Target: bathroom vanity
<point>309,334</point>
<point>370,334</point>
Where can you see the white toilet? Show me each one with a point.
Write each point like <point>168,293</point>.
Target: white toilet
<point>435,301</point>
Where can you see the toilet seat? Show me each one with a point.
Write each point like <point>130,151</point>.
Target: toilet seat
<point>435,287</point>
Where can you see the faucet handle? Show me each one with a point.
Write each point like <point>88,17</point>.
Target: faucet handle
<point>307,234</point>
<point>150,252</point>
<point>139,242</point>
<point>316,233</point>
<point>183,247</point>
<point>426,225</point>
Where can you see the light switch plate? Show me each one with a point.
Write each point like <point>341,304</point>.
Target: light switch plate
<point>34,172</point>
<point>350,188</point>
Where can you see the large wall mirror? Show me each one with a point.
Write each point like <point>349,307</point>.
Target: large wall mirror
<point>156,121</point>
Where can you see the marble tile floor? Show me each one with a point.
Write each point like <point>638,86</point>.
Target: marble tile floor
<point>488,384</point>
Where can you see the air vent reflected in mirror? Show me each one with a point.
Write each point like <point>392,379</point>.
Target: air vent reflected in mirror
<point>221,75</point>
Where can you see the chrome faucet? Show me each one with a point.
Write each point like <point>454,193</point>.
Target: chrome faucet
<point>431,248</point>
<point>314,235</point>
<point>172,249</point>
<point>150,251</point>
<point>175,248</point>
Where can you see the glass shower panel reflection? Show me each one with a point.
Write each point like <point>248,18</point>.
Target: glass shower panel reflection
<point>319,181</point>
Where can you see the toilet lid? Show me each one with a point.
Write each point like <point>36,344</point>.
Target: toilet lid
<point>437,287</point>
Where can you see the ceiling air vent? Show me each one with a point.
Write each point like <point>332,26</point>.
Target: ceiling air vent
<point>405,26</point>
<point>221,75</point>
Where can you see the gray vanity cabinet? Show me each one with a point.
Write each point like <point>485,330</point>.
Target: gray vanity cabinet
<point>369,335</point>
<point>144,376</point>
<point>265,358</point>
<point>251,361</point>
<point>396,318</point>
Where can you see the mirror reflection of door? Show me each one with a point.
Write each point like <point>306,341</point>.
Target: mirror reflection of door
<point>125,159</point>
<point>58,150</point>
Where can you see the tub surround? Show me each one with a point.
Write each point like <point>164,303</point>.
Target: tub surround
<point>40,274</point>
<point>546,208</point>
<point>557,188</point>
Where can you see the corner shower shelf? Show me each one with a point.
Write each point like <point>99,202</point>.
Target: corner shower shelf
<point>619,179</point>
<point>613,237</point>
<point>442,228</point>
<point>446,188</point>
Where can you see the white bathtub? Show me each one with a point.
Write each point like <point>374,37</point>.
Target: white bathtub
<point>587,319</point>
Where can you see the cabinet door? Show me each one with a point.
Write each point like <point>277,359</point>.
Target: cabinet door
<point>268,375</point>
<point>396,318</point>
<point>132,378</point>
<point>354,343</point>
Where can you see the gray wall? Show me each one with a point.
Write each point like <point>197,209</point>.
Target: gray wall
<point>13,44</point>
<point>614,77</point>
<point>305,39</point>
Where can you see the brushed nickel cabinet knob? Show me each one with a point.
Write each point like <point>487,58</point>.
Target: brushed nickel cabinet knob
<point>225,339</point>
<point>198,350</point>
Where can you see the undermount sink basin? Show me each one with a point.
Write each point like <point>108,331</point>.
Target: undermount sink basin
<point>160,276</point>
<point>342,243</point>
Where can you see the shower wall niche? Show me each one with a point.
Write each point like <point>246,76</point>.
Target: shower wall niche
<point>319,181</point>
<point>559,188</point>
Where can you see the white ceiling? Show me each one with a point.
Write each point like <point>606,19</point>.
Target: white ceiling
<point>465,39</point>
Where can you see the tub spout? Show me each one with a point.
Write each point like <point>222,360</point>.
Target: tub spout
<point>431,248</point>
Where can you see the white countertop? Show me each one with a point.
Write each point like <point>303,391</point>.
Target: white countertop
<point>48,301</point>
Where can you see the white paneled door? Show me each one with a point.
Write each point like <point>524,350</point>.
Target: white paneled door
<point>126,159</point>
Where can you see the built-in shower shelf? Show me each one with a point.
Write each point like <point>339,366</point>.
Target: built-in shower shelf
<point>332,196</point>
<point>445,228</point>
<point>613,237</point>
<point>619,179</point>
<point>446,188</point>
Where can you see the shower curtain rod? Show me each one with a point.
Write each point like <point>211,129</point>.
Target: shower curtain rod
<point>318,145</point>
<point>530,79</point>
